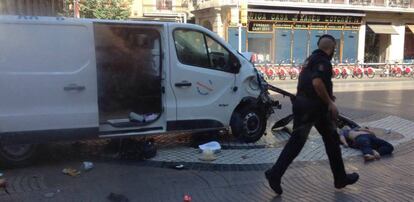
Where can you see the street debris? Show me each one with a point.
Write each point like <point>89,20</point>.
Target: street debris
<point>245,157</point>
<point>117,198</point>
<point>86,165</point>
<point>49,195</point>
<point>71,172</point>
<point>213,146</point>
<point>187,198</point>
<point>207,155</point>
<point>3,185</point>
<point>178,167</point>
<point>387,131</point>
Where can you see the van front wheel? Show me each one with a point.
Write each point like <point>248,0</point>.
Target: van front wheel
<point>17,155</point>
<point>248,124</point>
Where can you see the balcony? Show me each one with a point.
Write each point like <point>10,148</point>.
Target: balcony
<point>368,5</point>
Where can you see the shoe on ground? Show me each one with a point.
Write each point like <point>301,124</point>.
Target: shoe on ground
<point>350,179</point>
<point>369,157</point>
<point>274,184</point>
<point>376,154</point>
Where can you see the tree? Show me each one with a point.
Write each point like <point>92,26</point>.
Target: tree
<point>101,9</point>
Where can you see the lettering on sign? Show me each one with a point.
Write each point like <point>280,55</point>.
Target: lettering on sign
<point>260,27</point>
<point>303,18</point>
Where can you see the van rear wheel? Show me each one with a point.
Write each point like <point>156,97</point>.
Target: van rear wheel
<point>17,155</point>
<point>248,124</point>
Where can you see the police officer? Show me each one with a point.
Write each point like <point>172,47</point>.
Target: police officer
<point>314,106</point>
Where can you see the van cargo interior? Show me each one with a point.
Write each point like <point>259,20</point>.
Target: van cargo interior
<point>128,60</point>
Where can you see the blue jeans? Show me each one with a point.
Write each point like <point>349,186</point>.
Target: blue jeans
<point>367,142</point>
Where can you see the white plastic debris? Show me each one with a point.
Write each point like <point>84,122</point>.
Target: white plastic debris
<point>212,146</point>
<point>136,117</point>
<point>207,155</point>
<point>87,165</point>
<point>150,117</point>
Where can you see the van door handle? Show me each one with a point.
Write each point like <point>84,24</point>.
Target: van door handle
<point>74,87</point>
<point>183,84</point>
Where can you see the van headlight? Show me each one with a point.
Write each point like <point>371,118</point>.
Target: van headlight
<point>253,84</point>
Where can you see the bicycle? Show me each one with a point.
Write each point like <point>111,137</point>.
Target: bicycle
<point>396,70</point>
<point>369,72</point>
<point>408,71</point>
<point>346,70</point>
<point>357,71</point>
<point>336,71</point>
<point>294,71</point>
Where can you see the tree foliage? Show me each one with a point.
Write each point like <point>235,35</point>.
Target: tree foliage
<point>101,9</point>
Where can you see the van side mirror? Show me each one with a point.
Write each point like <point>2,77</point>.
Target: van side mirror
<point>234,64</point>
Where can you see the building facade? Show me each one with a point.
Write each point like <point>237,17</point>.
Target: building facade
<point>370,31</point>
<point>165,10</point>
<point>32,7</point>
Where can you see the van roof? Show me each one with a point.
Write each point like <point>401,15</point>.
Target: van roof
<point>19,18</point>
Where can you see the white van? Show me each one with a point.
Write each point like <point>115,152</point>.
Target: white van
<point>67,79</point>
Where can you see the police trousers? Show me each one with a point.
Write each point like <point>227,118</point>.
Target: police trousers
<point>308,113</point>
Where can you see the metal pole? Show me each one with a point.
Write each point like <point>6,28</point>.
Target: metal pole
<point>239,25</point>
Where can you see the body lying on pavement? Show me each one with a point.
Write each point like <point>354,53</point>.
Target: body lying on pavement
<point>365,140</point>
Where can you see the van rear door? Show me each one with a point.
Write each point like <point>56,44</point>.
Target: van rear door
<point>47,75</point>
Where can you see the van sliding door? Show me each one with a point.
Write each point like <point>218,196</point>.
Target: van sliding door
<point>128,61</point>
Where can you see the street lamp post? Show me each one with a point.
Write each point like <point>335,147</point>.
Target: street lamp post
<point>239,26</point>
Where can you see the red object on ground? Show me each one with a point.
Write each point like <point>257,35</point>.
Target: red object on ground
<point>187,198</point>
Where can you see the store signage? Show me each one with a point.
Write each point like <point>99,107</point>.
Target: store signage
<point>260,27</point>
<point>303,18</point>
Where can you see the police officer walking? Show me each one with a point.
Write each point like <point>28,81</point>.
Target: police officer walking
<point>314,106</point>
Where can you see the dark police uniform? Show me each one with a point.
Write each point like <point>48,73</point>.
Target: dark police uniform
<point>309,110</point>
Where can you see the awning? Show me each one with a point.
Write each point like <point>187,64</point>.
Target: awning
<point>383,29</point>
<point>411,27</point>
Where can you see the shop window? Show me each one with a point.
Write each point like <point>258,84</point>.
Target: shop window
<point>337,34</point>
<point>409,45</point>
<point>300,45</point>
<point>283,46</point>
<point>260,45</point>
<point>164,4</point>
<point>350,47</point>
<point>314,37</point>
<point>376,47</point>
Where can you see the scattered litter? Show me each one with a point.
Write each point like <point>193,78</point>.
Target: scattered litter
<point>207,155</point>
<point>150,117</point>
<point>71,172</point>
<point>49,195</point>
<point>213,146</point>
<point>117,198</point>
<point>187,198</point>
<point>86,165</point>
<point>387,131</point>
<point>178,167</point>
<point>3,185</point>
<point>142,118</point>
<point>245,157</point>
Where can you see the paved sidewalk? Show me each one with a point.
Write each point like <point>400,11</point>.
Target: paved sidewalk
<point>389,179</point>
